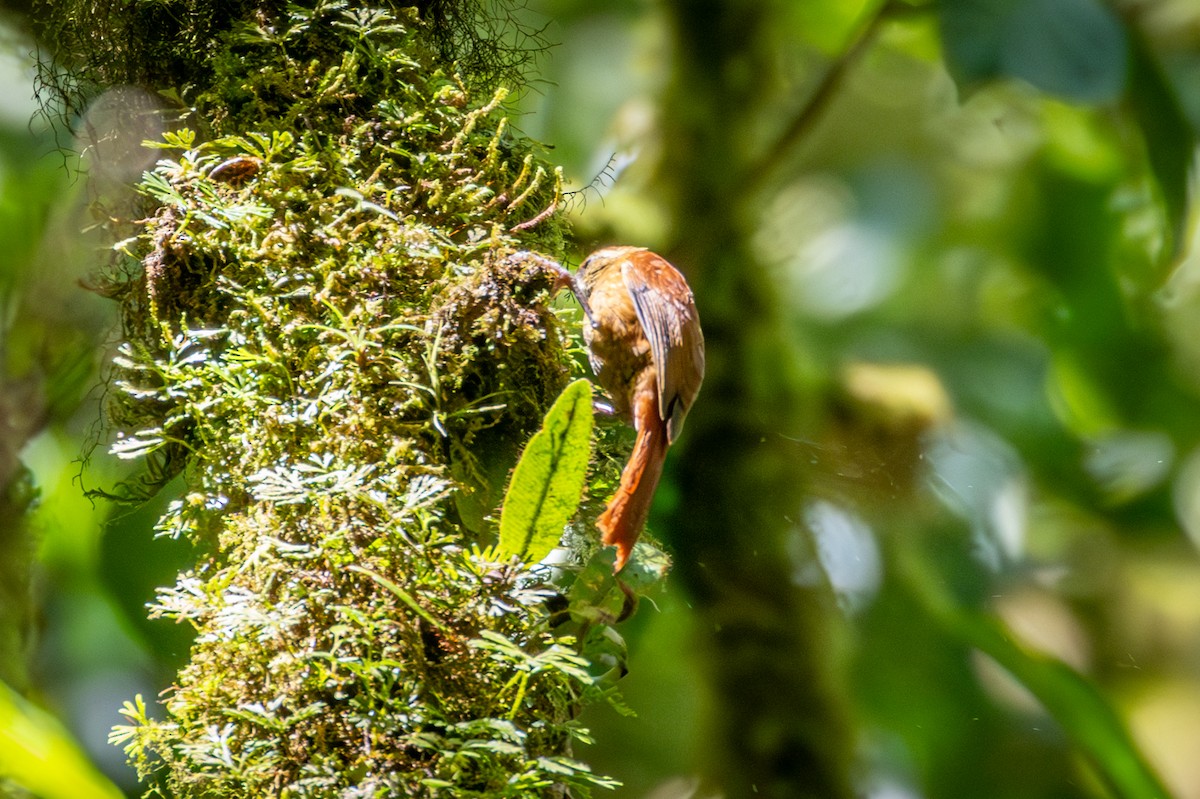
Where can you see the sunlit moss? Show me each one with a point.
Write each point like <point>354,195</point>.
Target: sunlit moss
<point>329,336</point>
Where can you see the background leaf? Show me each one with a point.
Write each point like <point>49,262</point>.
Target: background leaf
<point>548,480</point>
<point>38,754</point>
<point>1170,137</point>
<point>1069,697</point>
<point>1072,48</point>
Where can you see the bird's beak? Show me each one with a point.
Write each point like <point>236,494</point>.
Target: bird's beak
<point>562,278</point>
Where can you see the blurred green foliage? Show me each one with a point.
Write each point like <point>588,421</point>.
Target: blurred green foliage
<point>980,248</point>
<point>38,755</point>
<point>986,214</point>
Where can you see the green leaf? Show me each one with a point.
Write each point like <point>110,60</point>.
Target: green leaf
<point>1070,698</point>
<point>826,24</point>
<point>1075,703</point>
<point>1075,49</point>
<point>1170,137</point>
<point>548,481</point>
<point>40,756</point>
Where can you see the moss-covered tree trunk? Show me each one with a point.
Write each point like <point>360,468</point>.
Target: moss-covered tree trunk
<point>327,334</point>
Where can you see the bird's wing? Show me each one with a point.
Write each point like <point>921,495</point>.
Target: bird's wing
<point>667,313</point>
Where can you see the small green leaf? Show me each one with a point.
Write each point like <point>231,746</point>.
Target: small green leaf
<point>401,594</point>
<point>38,754</point>
<point>548,480</point>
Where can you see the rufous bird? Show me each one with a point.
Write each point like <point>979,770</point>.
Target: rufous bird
<point>644,342</point>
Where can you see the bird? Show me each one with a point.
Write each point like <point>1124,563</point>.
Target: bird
<point>646,348</point>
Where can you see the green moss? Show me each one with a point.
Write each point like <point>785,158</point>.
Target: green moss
<point>330,337</point>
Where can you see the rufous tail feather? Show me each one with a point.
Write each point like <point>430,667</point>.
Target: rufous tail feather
<point>625,516</point>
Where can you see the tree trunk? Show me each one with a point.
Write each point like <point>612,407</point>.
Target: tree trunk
<point>781,726</point>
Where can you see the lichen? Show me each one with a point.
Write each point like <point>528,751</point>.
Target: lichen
<point>329,332</point>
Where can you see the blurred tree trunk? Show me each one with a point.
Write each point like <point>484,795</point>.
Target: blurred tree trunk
<point>21,415</point>
<point>782,730</point>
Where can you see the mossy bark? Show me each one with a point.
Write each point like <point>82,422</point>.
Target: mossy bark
<point>328,334</point>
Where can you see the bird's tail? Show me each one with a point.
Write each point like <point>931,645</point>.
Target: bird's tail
<point>623,519</point>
